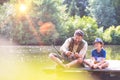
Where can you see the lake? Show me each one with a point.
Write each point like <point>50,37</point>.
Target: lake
<point>28,62</point>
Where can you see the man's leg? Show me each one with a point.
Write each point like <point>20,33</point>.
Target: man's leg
<point>74,62</point>
<point>87,62</point>
<point>70,64</point>
<point>56,59</point>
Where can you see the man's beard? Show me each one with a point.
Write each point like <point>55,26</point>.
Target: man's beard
<point>76,42</point>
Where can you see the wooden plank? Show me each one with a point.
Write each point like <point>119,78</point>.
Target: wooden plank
<point>114,66</point>
<point>110,73</point>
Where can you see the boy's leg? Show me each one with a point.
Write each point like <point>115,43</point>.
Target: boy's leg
<point>104,65</point>
<point>101,65</point>
<point>96,64</point>
<point>55,58</point>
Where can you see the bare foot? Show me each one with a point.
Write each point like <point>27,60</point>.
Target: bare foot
<point>95,66</point>
<point>67,66</point>
<point>91,66</point>
<point>99,67</point>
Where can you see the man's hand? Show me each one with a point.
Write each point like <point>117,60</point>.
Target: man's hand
<point>68,53</point>
<point>76,55</point>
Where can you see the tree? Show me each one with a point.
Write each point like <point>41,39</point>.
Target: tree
<point>103,12</point>
<point>25,27</point>
<point>76,7</point>
<point>87,24</point>
<point>116,4</point>
<point>3,1</point>
<point>112,35</point>
<point>51,11</point>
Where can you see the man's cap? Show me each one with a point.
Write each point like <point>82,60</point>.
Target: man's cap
<point>98,40</point>
<point>79,32</point>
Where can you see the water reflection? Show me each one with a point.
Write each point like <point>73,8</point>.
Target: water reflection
<point>39,54</point>
<point>28,62</point>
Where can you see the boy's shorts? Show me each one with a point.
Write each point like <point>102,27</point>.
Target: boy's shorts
<point>95,62</point>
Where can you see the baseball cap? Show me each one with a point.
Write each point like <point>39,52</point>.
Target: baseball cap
<point>98,40</point>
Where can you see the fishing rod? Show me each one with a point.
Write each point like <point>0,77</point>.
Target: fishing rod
<point>58,52</point>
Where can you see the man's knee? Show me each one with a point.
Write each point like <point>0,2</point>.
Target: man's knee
<point>79,60</point>
<point>51,55</point>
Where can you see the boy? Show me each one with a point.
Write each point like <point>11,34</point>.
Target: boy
<point>98,56</point>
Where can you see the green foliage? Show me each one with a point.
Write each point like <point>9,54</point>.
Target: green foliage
<point>30,27</point>
<point>51,11</point>
<point>116,4</point>
<point>17,26</point>
<point>13,28</point>
<point>107,34</point>
<point>103,11</point>
<point>112,35</point>
<point>6,11</point>
<point>76,7</point>
<point>109,53</point>
<point>87,24</point>
<point>3,1</point>
<point>116,36</point>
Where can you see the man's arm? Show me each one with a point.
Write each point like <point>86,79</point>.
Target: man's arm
<point>64,48</point>
<point>83,51</point>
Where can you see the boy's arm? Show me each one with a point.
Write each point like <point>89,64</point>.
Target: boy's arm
<point>92,60</point>
<point>103,57</point>
<point>102,60</point>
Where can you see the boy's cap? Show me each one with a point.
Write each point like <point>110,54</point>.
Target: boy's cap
<point>79,32</point>
<point>98,40</point>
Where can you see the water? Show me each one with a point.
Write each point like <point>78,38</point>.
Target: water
<point>28,62</point>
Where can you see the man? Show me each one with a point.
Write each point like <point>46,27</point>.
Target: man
<point>73,51</point>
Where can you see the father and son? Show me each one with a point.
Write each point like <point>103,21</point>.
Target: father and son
<point>73,53</point>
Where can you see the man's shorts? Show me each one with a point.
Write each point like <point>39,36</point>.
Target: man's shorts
<point>67,59</point>
<point>64,57</point>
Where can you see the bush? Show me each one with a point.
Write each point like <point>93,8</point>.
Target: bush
<point>47,22</point>
<point>112,35</point>
<point>87,24</point>
<point>26,30</point>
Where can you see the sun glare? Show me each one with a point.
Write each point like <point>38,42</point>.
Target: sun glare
<point>23,8</point>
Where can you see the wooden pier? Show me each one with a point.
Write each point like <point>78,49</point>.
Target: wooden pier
<point>110,73</point>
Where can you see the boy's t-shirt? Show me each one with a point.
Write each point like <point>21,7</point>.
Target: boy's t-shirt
<point>98,55</point>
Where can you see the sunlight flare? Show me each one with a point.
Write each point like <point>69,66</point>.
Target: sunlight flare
<point>23,8</point>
